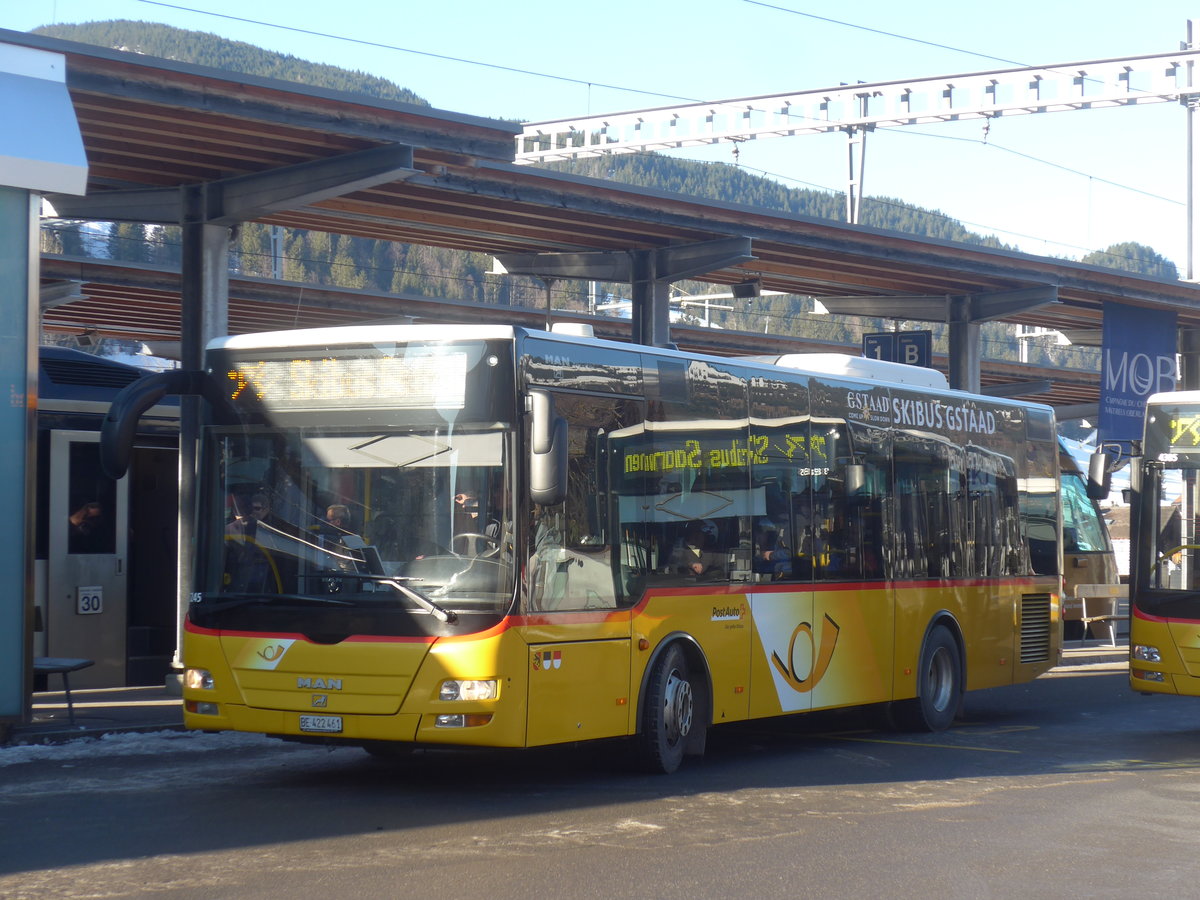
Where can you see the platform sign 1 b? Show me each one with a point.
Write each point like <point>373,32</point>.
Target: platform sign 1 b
<point>913,348</point>
<point>880,346</point>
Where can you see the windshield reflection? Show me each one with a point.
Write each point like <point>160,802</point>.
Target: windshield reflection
<point>414,519</point>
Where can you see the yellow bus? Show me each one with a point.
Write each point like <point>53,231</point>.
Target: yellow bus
<point>1089,560</point>
<point>544,538</point>
<point>1164,582</point>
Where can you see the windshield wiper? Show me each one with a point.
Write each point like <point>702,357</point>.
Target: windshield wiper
<point>222,602</point>
<point>438,612</point>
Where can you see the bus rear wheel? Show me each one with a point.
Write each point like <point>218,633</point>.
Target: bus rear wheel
<point>939,685</point>
<point>668,715</point>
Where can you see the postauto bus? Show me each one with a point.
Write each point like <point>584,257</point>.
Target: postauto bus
<point>546,538</point>
<point>1164,589</point>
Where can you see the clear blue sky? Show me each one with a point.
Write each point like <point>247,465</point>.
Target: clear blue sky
<point>577,58</point>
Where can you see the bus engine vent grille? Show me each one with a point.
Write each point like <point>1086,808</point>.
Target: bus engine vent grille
<point>1035,628</point>
<point>97,373</point>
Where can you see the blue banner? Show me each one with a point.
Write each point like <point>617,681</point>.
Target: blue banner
<point>1138,360</point>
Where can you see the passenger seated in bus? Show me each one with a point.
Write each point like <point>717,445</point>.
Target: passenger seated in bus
<point>771,556</point>
<point>337,519</point>
<point>692,555</point>
<point>337,539</point>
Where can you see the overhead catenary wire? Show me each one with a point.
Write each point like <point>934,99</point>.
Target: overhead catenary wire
<point>590,83</point>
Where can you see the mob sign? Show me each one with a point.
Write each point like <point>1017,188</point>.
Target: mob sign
<point>1138,360</point>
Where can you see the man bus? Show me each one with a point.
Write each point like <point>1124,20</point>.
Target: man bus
<point>1164,593</point>
<point>914,547</point>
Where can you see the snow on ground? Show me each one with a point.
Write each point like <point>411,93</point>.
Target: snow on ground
<point>155,743</point>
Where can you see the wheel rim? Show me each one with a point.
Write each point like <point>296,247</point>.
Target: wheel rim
<point>940,679</point>
<point>677,707</point>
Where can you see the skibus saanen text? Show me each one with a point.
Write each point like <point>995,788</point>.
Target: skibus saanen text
<point>1164,592</point>
<point>491,536</point>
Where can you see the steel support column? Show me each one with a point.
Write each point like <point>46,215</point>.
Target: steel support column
<point>964,355</point>
<point>1189,359</point>
<point>204,312</point>
<point>649,274</point>
<point>651,301</point>
<point>18,435</point>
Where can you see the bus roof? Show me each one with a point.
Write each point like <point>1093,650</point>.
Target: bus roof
<point>860,369</point>
<point>359,334</point>
<point>1174,397</point>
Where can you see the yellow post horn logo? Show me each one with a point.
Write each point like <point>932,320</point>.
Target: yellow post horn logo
<point>829,636</point>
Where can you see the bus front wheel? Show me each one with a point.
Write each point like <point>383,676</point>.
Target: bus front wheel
<point>939,685</point>
<point>668,716</point>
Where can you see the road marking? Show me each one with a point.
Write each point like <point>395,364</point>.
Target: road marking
<point>863,740</point>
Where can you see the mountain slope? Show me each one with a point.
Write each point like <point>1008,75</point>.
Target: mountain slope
<point>204,49</point>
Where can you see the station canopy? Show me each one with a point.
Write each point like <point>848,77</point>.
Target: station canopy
<point>152,124</point>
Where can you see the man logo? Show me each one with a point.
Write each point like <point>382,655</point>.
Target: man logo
<point>320,701</point>
<point>321,684</point>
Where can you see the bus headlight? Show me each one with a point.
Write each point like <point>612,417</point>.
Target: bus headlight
<point>1144,675</point>
<point>197,679</point>
<point>1145,653</point>
<point>468,689</point>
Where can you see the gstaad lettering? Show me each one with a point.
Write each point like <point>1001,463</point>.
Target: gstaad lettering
<point>860,400</point>
<point>936,415</point>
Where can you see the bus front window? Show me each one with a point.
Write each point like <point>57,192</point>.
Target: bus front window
<point>417,519</point>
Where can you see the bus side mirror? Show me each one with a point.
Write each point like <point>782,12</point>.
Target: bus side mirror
<point>1099,476</point>
<point>120,425</point>
<point>548,456</point>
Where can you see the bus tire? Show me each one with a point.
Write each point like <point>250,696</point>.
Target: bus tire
<point>939,685</point>
<point>669,713</point>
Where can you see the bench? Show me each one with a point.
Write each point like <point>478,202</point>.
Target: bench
<point>1100,605</point>
<point>64,666</point>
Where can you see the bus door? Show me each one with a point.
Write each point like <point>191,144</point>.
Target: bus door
<point>826,636</point>
<point>86,614</point>
<point>788,547</point>
<point>577,620</point>
<point>842,654</point>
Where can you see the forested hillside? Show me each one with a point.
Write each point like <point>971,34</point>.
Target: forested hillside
<point>217,52</point>
<point>725,182</point>
<point>383,266</point>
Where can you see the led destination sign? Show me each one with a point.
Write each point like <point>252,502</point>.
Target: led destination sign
<point>733,453</point>
<point>414,381</point>
<point>1183,431</point>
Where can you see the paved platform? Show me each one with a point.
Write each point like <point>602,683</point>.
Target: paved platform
<point>133,709</point>
<point>97,711</point>
<point>1079,653</point>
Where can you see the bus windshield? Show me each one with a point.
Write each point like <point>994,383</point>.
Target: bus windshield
<point>1173,454</point>
<point>414,519</point>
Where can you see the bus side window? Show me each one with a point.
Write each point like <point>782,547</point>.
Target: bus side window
<point>579,553</point>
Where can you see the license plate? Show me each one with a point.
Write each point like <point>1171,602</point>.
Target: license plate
<point>323,724</point>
